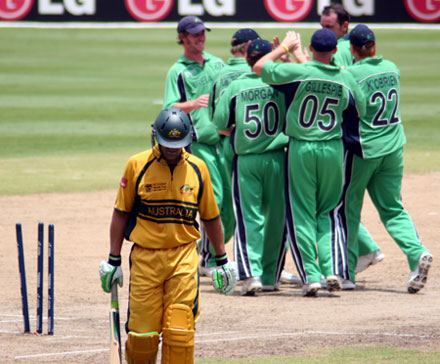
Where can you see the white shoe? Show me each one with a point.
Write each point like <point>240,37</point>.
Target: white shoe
<point>289,278</point>
<point>250,286</point>
<point>205,271</point>
<point>348,285</point>
<point>234,268</point>
<point>418,278</point>
<point>333,283</point>
<point>311,289</point>
<point>270,288</point>
<point>372,258</point>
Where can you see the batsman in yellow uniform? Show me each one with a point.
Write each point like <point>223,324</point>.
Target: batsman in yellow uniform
<point>158,199</point>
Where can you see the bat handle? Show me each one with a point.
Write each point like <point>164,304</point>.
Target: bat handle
<point>114,295</point>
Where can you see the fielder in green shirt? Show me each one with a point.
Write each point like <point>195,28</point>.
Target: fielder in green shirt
<point>335,18</point>
<point>374,160</point>
<point>319,98</point>
<point>254,112</point>
<point>187,87</point>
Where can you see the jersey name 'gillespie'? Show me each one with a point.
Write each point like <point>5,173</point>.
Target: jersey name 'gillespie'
<point>324,88</point>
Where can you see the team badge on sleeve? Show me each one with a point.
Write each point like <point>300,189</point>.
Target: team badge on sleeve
<point>123,183</point>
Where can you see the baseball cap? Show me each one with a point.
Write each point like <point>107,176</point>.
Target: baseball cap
<point>324,40</point>
<point>259,45</point>
<point>191,24</point>
<point>361,35</point>
<point>243,36</point>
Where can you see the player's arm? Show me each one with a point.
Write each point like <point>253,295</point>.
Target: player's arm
<point>214,230</point>
<point>188,106</point>
<point>117,228</point>
<point>291,43</point>
<point>222,117</point>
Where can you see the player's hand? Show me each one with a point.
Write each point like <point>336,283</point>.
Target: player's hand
<point>110,272</point>
<point>292,40</point>
<point>223,278</point>
<point>201,101</point>
<point>275,44</point>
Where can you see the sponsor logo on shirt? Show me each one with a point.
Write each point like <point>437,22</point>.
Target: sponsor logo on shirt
<point>123,183</point>
<point>186,189</point>
<point>155,187</point>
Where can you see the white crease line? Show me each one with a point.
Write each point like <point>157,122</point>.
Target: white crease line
<point>302,333</point>
<point>63,353</point>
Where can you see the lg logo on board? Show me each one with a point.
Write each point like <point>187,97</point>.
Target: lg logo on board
<point>15,9</point>
<point>155,10</point>
<point>424,10</point>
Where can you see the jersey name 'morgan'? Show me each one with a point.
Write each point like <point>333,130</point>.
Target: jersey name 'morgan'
<point>258,94</point>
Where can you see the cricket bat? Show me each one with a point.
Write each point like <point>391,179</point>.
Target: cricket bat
<point>115,334</point>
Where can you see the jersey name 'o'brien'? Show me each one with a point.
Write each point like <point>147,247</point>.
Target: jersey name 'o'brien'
<point>324,88</point>
<point>382,82</point>
<point>259,94</point>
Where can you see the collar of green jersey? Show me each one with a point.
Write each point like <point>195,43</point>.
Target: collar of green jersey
<point>206,57</point>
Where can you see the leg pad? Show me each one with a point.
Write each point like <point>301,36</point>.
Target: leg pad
<point>141,348</point>
<point>178,335</point>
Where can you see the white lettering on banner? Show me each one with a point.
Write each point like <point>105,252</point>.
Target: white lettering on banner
<point>212,7</point>
<point>80,7</point>
<point>224,7</point>
<point>46,7</point>
<point>353,7</point>
<point>365,7</point>
<point>185,7</point>
<point>74,7</point>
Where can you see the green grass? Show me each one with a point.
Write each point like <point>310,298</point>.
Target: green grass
<point>342,355</point>
<point>76,103</point>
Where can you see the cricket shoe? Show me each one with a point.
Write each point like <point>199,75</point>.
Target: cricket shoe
<point>418,278</point>
<point>371,258</point>
<point>271,288</point>
<point>289,278</point>
<point>311,289</point>
<point>333,283</point>
<point>250,286</point>
<point>348,285</point>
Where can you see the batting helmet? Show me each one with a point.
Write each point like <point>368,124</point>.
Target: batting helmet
<point>172,129</point>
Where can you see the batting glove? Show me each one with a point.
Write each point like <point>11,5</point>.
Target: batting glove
<point>110,272</point>
<point>223,278</point>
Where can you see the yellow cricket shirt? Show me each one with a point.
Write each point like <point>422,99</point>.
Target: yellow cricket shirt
<point>163,204</point>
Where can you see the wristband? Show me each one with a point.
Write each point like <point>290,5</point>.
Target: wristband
<point>221,260</point>
<point>285,47</point>
<point>114,260</point>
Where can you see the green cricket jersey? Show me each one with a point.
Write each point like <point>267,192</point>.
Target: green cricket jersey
<point>343,56</point>
<point>233,69</point>
<point>187,80</point>
<point>257,110</point>
<point>380,131</point>
<point>319,98</point>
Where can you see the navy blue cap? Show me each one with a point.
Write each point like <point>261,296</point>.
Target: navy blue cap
<point>361,35</point>
<point>259,45</point>
<point>243,36</point>
<point>191,24</point>
<point>324,40</point>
